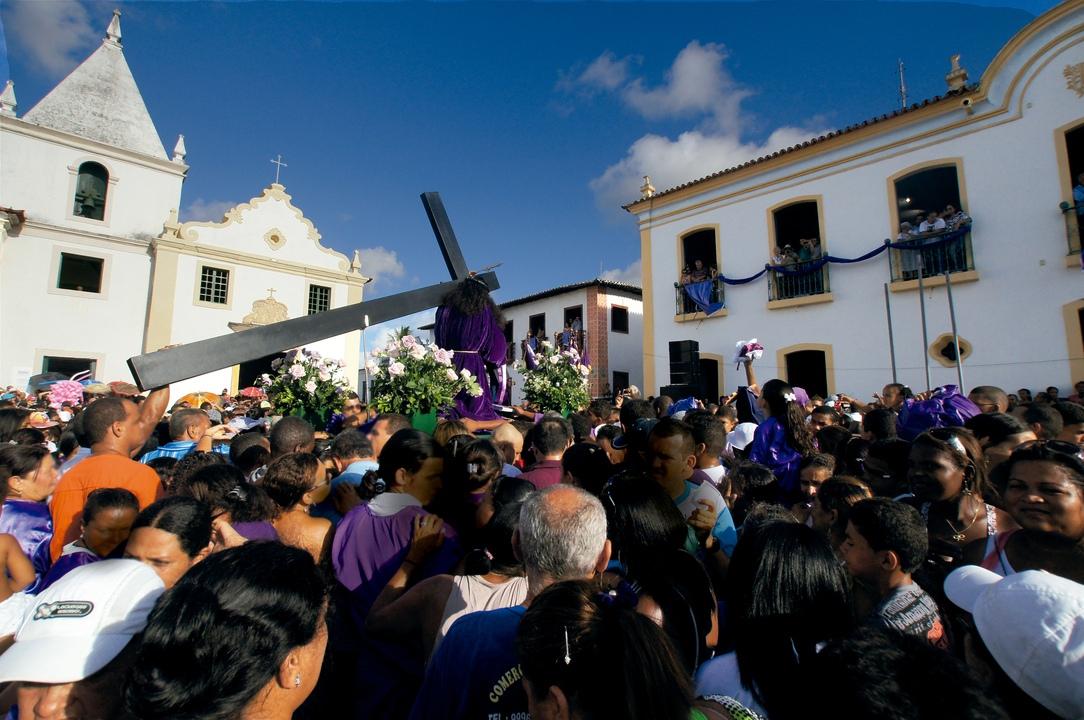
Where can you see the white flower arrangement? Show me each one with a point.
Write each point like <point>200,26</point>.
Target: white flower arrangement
<point>414,377</point>
<point>559,382</point>
<point>306,384</point>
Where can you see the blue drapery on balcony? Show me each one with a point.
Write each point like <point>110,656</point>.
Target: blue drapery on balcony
<point>700,293</point>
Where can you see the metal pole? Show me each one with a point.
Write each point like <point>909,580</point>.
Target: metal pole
<point>891,338</point>
<point>922,312</point>
<point>955,335</point>
<point>365,358</point>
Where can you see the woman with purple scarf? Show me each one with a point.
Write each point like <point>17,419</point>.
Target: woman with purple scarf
<point>469,324</point>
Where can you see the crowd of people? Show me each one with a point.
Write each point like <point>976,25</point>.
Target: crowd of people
<point>769,556</point>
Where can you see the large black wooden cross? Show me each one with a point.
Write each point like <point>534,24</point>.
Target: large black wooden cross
<point>187,361</point>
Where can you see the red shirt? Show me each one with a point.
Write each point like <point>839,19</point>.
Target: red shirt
<point>543,474</point>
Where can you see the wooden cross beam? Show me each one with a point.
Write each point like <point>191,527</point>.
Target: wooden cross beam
<point>174,364</point>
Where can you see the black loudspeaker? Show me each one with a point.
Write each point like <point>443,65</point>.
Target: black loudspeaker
<point>680,391</point>
<point>685,363</point>
<point>683,351</point>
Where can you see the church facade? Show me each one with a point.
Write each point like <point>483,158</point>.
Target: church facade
<point>1007,151</point>
<point>96,268</point>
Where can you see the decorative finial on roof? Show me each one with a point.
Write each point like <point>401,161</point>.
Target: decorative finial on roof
<point>355,264</point>
<point>957,76</point>
<point>7,99</point>
<point>112,33</point>
<point>647,189</point>
<point>179,150</point>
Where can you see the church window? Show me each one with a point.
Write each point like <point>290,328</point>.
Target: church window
<point>91,187</point>
<point>214,285</point>
<point>80,273</point>
<point>319,299</point>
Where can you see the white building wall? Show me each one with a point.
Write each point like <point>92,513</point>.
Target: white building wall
<point>107,326</point>
<point>1010,178</point>
<point>554,309</point>
<point>626,351</point>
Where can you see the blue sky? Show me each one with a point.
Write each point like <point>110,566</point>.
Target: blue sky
<point>534,121</point>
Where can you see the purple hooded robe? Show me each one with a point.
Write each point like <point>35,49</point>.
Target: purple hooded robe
<point>476,340</point>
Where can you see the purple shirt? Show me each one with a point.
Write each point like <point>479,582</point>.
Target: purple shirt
<point>71,558</point>
<point>259,530</point>
<point>544,474</point>
<point>32,526</point>
<point>770,448</point>
<point>371,543</point>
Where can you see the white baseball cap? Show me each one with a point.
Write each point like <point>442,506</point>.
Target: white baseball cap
<point>741,435</point>
<point>1033,625</point>
<point>81,622</point>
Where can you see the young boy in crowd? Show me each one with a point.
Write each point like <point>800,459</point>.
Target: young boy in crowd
<point>885,542</point>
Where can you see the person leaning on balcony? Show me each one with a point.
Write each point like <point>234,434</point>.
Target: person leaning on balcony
<point>932,223</point>
<point>699,272</point>
<point>955,219</point>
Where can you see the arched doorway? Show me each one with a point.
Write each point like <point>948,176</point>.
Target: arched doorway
<point>809,366</point>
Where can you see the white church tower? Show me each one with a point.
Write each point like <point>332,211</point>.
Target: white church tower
<point>85,186</point>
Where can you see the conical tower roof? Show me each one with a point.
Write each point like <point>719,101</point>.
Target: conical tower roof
<point>100,101</point>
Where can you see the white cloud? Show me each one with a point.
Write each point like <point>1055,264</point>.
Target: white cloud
<point>54,35</point>
<point>206,210</point>
<point>698,83</point>
<point>606,72</point>
<point>693,154</point>
<point>381,264</point>
<point>698,86</point>
<point>629,275</point>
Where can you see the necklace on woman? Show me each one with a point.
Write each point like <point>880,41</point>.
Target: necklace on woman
<point>958,535</point>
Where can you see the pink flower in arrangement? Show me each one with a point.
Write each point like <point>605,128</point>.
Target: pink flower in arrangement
<point>310,386</point>
<point>409,341</point>
<point>442,356</point>
<point>297,371</point>
<point>451,374</point>
<point>417,351</point>
<point>396,369</point>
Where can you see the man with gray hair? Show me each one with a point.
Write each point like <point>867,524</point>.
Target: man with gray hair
<point>475,672</point>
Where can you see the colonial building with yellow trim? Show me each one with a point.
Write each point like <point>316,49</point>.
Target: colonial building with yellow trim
<point>1006,150</point>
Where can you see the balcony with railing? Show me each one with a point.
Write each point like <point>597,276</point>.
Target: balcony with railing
<point>686,308</point>
<point>932,255</point>
<point>1073,215</point>
<point>801,283</point>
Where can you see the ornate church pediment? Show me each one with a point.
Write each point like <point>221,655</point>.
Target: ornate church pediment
<point>264,312</point>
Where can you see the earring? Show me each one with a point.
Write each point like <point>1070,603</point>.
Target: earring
<point>297,680</point>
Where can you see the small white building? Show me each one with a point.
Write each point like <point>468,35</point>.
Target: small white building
<point>1007,150</point>
<point>610,326</point>
<point>610,318</point>
<point>95,268</point>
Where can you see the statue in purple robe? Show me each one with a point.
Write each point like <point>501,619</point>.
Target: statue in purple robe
<point>469,323</point>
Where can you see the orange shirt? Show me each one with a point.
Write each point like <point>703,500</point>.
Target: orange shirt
<point>97,471</point>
